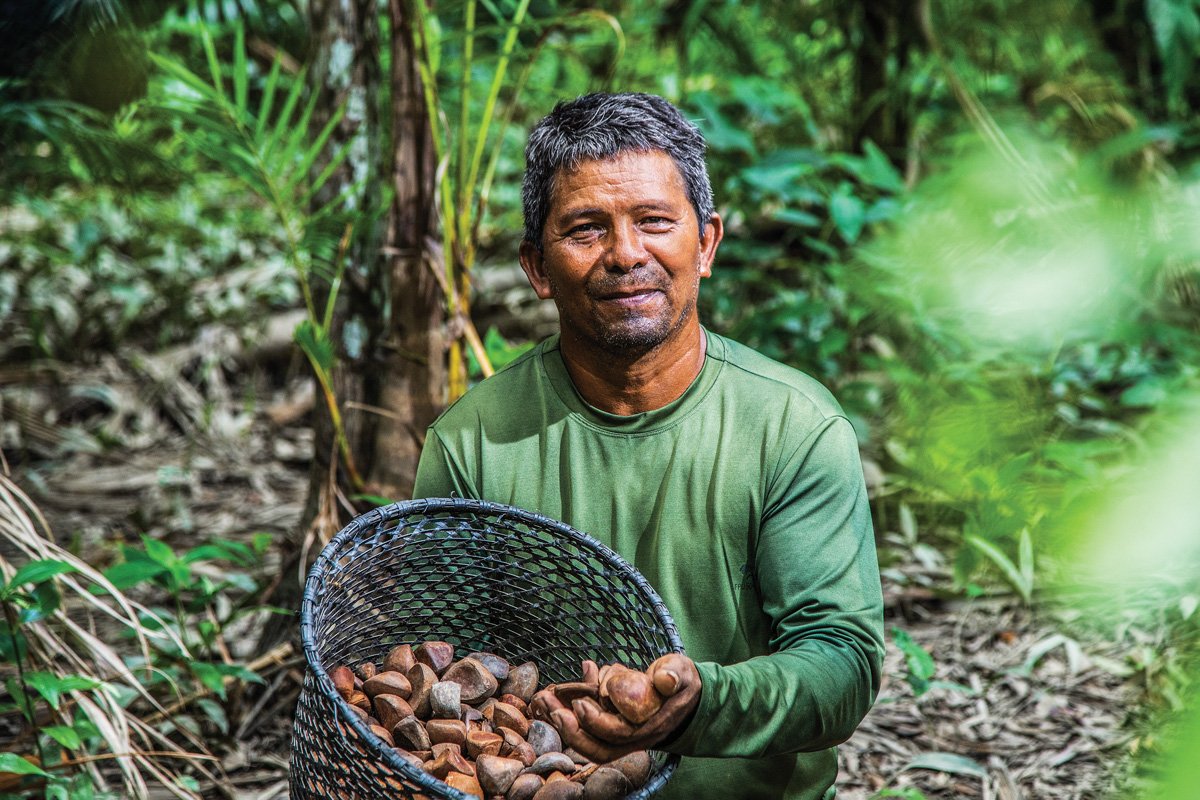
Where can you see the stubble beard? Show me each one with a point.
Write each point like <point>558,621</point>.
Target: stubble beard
<point>635,334</point>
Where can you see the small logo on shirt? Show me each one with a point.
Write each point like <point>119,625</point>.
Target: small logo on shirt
<point>747,578</point>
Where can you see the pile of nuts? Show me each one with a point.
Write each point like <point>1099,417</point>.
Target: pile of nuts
<point>466,722</point>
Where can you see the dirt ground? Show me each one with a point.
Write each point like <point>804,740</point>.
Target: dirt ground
<point>172,446</point>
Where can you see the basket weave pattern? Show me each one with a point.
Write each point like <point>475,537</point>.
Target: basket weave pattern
<point>482,576</point>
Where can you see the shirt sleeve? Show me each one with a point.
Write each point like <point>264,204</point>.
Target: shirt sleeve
<point>818,581</point>
<point>438,473</point>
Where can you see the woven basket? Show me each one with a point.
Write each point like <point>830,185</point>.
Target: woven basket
<point>482,576</point>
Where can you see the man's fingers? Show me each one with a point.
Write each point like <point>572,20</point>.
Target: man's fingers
<point>611,728</point>
<point>545,703</point>
<point>616,730</point>
<point>584,742</point>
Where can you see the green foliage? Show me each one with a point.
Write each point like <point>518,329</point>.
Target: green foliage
<point>29,598</point>
<point>211,586</point>
<point>209,589</point>
<point>500,352</point>
<point>269,146</point>
<point>83,271</point>
<point>1176,26</point>
<point>50,139</point>
<point>207,585</point>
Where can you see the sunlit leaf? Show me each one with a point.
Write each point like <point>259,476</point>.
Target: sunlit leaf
<point>16,765</point>
<point>131,573</point>
<point>1019,579</point>
<point>39,571</point>
<point>64,735</point>
<point>948,762</point>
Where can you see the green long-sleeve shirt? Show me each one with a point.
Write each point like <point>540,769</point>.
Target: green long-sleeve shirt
<point>743,504</point>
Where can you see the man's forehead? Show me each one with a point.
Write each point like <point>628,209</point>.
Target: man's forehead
<point>623,159</point>
<point>643,169</point>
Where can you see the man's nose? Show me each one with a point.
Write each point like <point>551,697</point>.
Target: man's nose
<point>626,250</point>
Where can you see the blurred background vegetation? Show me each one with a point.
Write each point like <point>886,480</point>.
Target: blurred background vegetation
<point>976,222</point>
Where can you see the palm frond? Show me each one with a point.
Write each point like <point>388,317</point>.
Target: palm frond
<point>269,145</point>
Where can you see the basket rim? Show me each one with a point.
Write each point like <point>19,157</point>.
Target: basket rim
<point>368,520</point>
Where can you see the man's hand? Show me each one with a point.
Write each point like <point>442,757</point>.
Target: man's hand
<point>604,736</point>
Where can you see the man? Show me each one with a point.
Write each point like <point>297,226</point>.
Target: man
<point>732,482</point>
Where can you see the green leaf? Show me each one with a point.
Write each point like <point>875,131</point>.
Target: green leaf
<point>215,712</point>
<point>48,598</point>
<point>39,571</point>
<point>267,99</point>
<point>878,171</point>
<point>283,123</point>
<point>1146,394</point>
<point>801,219</point>
<point>1021,578</point>
<point>848,212</point>
<point>947,762</point>
<point>303,168</point>
<point>131,573</point>
<point>13,763</point>
<point>240,672</point>
<point>316,344</point>
<point>18,693</point>
<point>241,72</point>
<point>64,735</point>
<point>210,676</point>
<point>261,542</point>
<point>214,63</point>
<point>221,550</point>
<point>908,524</point>
<point>907,793</point>
<point>159,551</point>
<point>52,688</point>
<point>920,664</point>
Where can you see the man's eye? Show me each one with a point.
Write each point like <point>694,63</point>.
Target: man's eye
<point>584,231</point>
<point>656,222</point>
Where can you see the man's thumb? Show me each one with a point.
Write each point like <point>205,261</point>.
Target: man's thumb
<point>666,682</point>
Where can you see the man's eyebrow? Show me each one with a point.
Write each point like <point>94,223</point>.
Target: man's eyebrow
<point>577,213</point>
<point>654,205</point>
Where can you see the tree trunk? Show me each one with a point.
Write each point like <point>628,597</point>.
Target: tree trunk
<point>413,376</point>
<point>883,33</point>
<point>389,320</point>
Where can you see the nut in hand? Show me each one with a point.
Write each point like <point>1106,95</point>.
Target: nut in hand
<point>634,696</point>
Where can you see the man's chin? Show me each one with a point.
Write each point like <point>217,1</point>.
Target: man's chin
<point>637,337</point>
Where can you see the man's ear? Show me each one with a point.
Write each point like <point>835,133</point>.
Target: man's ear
<point>710,237</point>
<point>533,264</point>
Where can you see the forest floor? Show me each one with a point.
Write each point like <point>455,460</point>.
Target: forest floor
<point>1025,703</point>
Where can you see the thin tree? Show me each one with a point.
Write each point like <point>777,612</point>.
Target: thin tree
<point>388,378</point>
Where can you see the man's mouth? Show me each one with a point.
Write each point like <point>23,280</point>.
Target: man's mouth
<point>631,297</point>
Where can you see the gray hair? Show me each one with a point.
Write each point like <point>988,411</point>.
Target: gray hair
<point>601,126</point>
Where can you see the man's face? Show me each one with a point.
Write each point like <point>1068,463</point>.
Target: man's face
<point>622,254</point>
